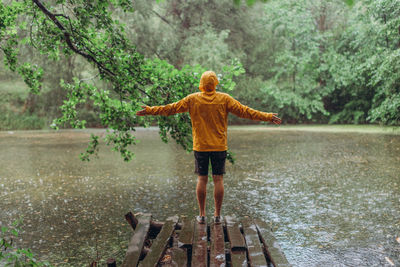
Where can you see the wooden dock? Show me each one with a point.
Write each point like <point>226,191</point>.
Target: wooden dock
<point>184,242</point>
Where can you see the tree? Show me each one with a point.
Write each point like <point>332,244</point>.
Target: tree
<point>91,30</point>
<point>364,66</point>
<point>296,35</point>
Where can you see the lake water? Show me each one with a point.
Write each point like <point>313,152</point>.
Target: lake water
<point>332,198</point>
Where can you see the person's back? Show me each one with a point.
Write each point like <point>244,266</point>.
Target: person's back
<point>208,111</point>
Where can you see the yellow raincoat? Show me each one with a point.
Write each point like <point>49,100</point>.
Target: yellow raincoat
<point>208,111</point>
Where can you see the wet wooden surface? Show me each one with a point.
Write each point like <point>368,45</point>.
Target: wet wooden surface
<point>179,257</point>
<point>255,250</point>
<point>185,242</point>
<point>235,237</point>
<point>161,243</point>
<point>199,256</point>
<point>217,245</point>
<point>138,239</point>
<point>186,234</point>
<point>272,247</point>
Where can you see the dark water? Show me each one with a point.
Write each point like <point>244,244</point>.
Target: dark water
<point>333,198</point>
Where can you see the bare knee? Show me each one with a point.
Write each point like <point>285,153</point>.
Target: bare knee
<point>218,178</point>
<point>203,179</point>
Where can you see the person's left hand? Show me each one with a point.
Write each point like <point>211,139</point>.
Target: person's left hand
<point>276,119</point>
<point>142,112</point>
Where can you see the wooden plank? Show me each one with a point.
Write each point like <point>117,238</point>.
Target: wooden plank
<point>199,257</point>
<point>155,228</point>
<point>174,256</point>
<point>160,244</point>
<point>132,220</point>
<point>271,246</point>
<point>217,250</point>
<point>137,241</point>
<point>186,233</point>
<point>254,246</point>
<point>179,257</point>
<point>238,258</point>
<point>235,237</point>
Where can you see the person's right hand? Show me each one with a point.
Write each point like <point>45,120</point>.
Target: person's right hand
<point>276,119</point>
<point>142,112</point>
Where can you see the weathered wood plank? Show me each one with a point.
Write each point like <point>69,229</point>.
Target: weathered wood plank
<point>155,228</point>
<point>217,250</point>
<point>199,257</point>
<point>271,246</point>
<point>235,237</point>
<point>254,246</point>
<point>137,241</point>
<point>238,258</point>
<point>186,233</point>
<point>179,257</point>
<point>132,220</point>
<point>160,244</point>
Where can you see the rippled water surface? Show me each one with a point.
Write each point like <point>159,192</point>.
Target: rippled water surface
<point>333,198</point>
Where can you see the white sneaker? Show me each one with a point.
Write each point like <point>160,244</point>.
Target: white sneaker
<point>217,219</point>
<point>201,219</point>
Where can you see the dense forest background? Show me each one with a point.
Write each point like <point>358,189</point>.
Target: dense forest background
<point>321,61</point>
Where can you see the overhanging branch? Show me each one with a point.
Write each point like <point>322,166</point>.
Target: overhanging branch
<point>67,37</point>
<point>68,40</point>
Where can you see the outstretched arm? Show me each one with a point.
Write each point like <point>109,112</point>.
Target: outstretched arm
<point>243,111</point>
<point>170,109</point>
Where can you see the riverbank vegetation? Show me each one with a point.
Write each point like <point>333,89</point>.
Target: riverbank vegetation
<point>94,63</point>
<point>11,254</point>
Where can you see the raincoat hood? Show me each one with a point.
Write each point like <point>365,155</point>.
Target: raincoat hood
<point>208,82</point>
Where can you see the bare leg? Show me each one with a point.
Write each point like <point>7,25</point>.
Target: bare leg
<point>218,193</point>
<point>201,191</point>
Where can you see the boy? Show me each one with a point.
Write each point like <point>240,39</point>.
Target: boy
<point>208,111</point>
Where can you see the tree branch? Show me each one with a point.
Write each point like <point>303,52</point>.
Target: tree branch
<point>67,37</point>
<point>61,15</point>
<point>162,18</point>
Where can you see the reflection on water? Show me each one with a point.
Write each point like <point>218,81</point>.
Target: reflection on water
<point>333,198</point>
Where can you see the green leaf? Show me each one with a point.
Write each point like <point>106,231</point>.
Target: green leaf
<point>250,2</point>
<point>14,232</point>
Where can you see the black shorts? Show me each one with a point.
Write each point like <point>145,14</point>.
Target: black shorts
<point>217,162</point>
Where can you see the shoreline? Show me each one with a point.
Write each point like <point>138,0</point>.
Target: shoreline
<point>323,128</point>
